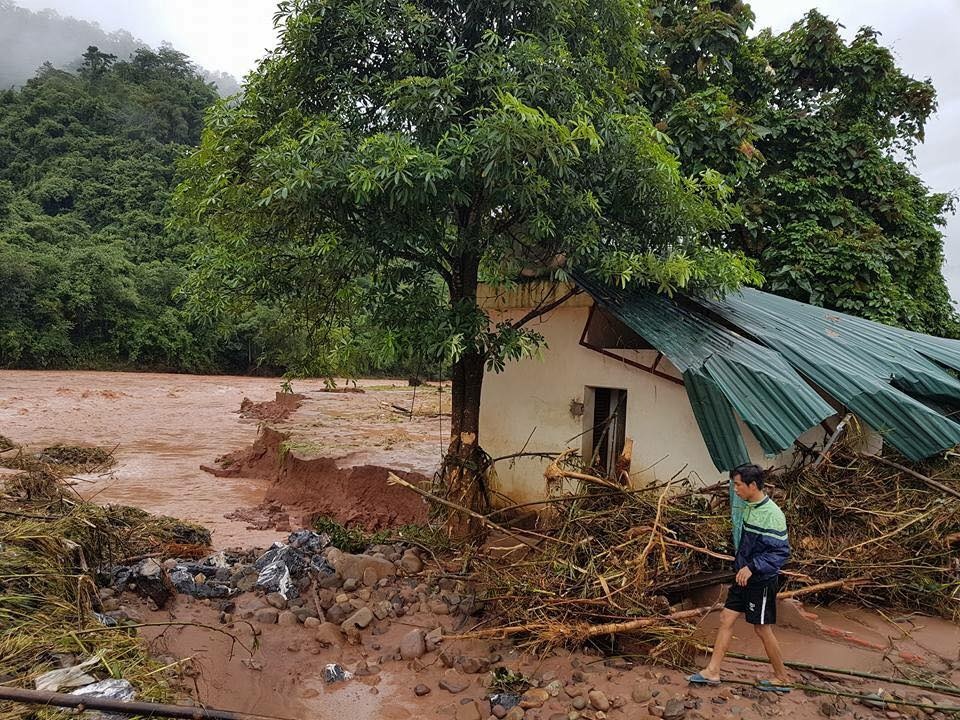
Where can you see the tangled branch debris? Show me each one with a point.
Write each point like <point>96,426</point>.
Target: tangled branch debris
<point>613,560</point>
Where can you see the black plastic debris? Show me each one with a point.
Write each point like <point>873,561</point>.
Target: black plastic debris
<point>506,700</point>
<point>336,673</point>
<point>282,567</point>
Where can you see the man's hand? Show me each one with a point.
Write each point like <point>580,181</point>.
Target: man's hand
<point>743,575</point>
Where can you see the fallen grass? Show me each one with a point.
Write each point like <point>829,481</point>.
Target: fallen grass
<point>56,459</point>
<point>52,546</point>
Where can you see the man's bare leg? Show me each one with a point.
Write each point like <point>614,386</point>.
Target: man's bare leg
<point>724,635</point>
<point>772,648</point>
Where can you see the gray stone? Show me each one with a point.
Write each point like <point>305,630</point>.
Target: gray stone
<point>267,616</point>
<point>276,600</point>
<point>421,690</point>
<point>554,687</point>
<point>354,566</point>
<point>641,693</point>
<point>413,645</point>
<point>288,618</point>
<point>350,584</point>
<point>454,682</point>
<point>312,623</point>
<point>151,568</point>
<point>534,698</point>
<point>598,700</point>
<point>330,582</point>
<point>411,562</point>
<point>359,620</point>
<point>246,583</point>
<point>580,702</point>
<point>382,609</point>
<point>675,709</point>
<point>329,634</point>
<point>438,607</point>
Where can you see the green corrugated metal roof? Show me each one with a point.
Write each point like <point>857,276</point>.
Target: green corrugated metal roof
<point>882,373</point>
<point>723,371</point>
<point>747,353</point>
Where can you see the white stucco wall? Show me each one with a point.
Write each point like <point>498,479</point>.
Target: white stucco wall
<point>529,404</point>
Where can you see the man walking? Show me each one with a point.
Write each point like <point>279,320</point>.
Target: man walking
<point>762,552</point>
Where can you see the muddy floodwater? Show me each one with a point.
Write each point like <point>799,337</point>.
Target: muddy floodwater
<point>163,427</point>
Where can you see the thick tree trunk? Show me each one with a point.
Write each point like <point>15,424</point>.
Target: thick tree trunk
<point>465,465</point>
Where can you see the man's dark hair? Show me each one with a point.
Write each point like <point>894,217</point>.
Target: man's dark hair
<point>749,475</point>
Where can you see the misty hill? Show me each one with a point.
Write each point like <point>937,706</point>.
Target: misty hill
<point>32,38</point>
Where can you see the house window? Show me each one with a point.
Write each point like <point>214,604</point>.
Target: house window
<point>605,427</point>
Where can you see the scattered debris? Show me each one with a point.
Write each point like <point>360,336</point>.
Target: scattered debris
<point>333,673</point>
<point>608,559</point>
<point>275,410</point>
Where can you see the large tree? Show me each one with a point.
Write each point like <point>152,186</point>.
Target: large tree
<point>816,135</point>
<point>416,149</point>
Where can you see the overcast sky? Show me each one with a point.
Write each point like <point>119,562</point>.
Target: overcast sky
<point>232,35</point>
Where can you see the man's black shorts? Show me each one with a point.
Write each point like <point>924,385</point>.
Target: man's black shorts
<point>758,601</point>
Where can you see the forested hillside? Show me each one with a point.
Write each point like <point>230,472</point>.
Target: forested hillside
<point>88,269</point>
<point>30,39</point>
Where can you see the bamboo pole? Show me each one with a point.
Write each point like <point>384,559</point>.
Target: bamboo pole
<point>125,707</point>
<point>912,473</point>
<point>943,689</point>
<point>393,479</point>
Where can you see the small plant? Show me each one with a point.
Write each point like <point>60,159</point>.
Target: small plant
<point>507,681</point>
<point>351,540</point>
<point>286,386</point>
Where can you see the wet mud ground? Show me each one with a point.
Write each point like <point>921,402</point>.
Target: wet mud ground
<point>163,427</point>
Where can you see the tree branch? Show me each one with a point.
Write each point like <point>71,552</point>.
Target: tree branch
<point>542,309</point>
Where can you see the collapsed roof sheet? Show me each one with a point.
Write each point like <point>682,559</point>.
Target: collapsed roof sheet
<point>760,355</point>
<point>888,376</point>
<point>723,371</point>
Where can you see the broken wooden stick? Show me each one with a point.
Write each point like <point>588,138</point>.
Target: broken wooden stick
<point>832,585</point>
<point>941,688</point>
<point>912,473</point>
<point>584,631</point>
<point>125,707</point>
<point>393,479</point>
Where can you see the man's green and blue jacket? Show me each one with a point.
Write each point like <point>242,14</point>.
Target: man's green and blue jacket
<point>764,547</point>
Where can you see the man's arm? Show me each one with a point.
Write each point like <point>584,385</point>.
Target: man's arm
<point>771,558</point>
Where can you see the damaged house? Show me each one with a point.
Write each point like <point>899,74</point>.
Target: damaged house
<point>692,387</point>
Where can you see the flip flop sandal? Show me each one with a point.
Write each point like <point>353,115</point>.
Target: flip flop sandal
<point>698,679</point>
<point>767,686</point>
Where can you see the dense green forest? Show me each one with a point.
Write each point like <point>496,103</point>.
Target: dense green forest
<point>88,268</point>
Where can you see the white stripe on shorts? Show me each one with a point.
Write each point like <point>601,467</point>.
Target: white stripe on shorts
<point>763,608</point>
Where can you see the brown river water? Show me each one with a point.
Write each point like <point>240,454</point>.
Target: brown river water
<point>163,427</point>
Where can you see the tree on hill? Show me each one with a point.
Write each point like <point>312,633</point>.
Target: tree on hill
<point>88,270</point>
<point>412,150</point>
<point>30,39</point>
<point>816,135</point>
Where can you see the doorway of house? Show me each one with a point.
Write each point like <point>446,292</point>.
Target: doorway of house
<point>605,427</point>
